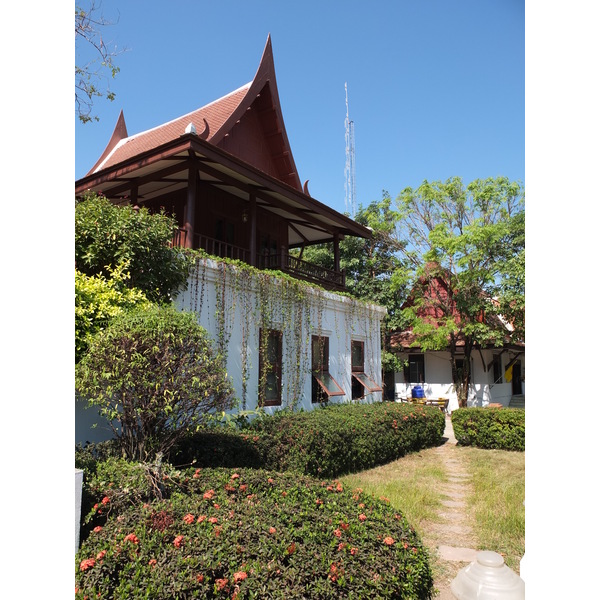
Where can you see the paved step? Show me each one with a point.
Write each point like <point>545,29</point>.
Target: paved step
<point>517,401</point>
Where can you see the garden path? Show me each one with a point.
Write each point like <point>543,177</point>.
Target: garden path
<point>451,541</point>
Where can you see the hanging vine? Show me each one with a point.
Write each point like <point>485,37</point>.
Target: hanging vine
<point>248,300</point>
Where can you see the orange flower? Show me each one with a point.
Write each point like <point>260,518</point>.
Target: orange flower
<point>101,555</point>
<point>105,500</point>
<point>272,530</point>
<point>339,487</point>
<point>199,578</point>
<point>344,526</point>
<point>235,476</point>
<point>201,518</point>
<point>244,487</point>
<point>152,562</point>
<point>213,520</point>
<point>189,519</point>
<point>388,540</point>
<point>337,533</point>
<point>208,495</point>
<point>97,529</point>
<point>239,576</point>
<point>362,517</point>
<point>292,548</point>
<point>178,541</point>
<point>353,550</point>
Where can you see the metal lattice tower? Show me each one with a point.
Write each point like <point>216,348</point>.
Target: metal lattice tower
<point>349,171</point>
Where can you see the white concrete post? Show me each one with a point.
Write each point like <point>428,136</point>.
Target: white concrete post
<point>488,578</point>
<point>78,491</point>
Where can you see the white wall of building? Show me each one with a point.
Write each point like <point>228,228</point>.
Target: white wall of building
<point>483,390</point>
<point>233,303</point>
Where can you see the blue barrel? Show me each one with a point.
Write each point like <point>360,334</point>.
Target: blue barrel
<point>418,391</point>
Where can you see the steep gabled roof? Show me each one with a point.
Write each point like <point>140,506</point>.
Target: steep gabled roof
<point>215,123</point>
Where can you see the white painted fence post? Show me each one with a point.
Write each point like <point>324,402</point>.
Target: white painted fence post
<point>78,491</point>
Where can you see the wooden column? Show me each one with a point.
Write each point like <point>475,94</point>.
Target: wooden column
<point>336,252</point>
<point>190,207</point>
<point>252,230</point>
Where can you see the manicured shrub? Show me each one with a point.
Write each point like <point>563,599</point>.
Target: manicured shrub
<point>243,533</point>
<point>499,428</point>
<point>107,236</point>
<point>326,442</point>
<point>154,374</point>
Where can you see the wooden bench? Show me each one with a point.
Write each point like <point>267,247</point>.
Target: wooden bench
<point>441,403</point>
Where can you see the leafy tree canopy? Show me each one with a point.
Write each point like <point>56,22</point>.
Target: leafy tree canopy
<point>465,264</point>
<point>108,236</point>
<point>154,374</point>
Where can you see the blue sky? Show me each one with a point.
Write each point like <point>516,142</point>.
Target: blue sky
<point>435,87</point>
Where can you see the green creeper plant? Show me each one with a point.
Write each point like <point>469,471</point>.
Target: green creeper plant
<point>154,374</point>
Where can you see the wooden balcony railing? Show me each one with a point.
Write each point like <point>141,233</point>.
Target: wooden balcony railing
<point>282,261</point>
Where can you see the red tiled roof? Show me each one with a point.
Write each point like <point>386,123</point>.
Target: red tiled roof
<point>213,116</point>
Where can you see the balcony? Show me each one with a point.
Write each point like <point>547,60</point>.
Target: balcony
<point>282,261</point>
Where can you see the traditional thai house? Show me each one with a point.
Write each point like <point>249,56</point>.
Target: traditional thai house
<point>226,171</point>
<point>497,372</point>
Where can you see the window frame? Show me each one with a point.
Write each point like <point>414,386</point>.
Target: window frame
<point>417,358</point>
<point>276,367</point>
<point>320,367</point>
<point>358,373</point>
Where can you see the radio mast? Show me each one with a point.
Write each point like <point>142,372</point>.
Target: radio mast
<point>349,171</point>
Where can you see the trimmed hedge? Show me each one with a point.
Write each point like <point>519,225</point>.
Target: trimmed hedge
<point>246,533</point>
<point>326,442</point>
<point>498,428</point>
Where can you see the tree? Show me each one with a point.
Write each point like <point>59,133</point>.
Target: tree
<point>107,236</point>
<point>465,256</point>
<point>370,264</point>
<point>97,60</point>
<point>154,374</point>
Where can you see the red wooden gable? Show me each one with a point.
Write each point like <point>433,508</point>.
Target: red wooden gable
<point>247,123</point>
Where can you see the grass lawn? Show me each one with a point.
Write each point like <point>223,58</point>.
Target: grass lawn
<point>495,507</point>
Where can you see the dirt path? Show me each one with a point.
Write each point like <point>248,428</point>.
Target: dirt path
<point>452,542</point>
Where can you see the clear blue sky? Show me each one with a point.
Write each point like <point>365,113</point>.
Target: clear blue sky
<point>436,87</point>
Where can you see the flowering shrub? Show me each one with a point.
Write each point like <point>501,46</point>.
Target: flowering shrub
<point>499,428</point>
<point>326,442</point>
<point>257,534</point>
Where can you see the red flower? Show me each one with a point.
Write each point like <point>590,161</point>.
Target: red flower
<point>189,519</point>
<point>344,526</point>
<point>101,555</point>
<point>388,540</point>
<point>239,576</point>
<point>221,583</point>
<point>97,529</point>
<point>216,506</point>
<point>86,564</point>
<point>196,474</point>
<point>339,487</point>
<point>201,518</point>
<point>243,487</point>
<point>353,551</point>
<point>105,500</point>
<point>208,495</point>
<point>272,530</point>
<point>178,541</point>
<point>362,517</point>
<point>213,520</point>
<point>235,476</point>
<point>337,533</point>
<point>341,546</point>
<point>199,578</point>
<point>152,562</point>
<point>271,480</point>
<point>292,548</point>
<point>131,538</point>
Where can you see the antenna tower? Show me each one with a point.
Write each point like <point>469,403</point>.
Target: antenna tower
<point>349,171</point>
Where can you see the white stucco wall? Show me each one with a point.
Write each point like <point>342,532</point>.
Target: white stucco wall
<point>483,390</point>
<point>229,300</point>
